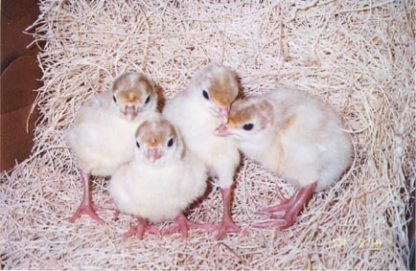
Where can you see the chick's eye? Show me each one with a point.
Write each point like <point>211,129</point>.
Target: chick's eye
<point>205,94</point>
<point>147,100</point>
<point>170,142</point>
<point>114,98</point>
<point>248,126</point>
<point>137,144</point>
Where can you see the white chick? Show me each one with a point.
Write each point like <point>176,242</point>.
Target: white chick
<point>103,131</point>
<point>296,136</point>
<point>162,180</point>
<point>197,112</point>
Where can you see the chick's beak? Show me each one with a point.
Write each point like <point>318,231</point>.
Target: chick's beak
<point>130,111</point>
<point>223,113</point>
<point>222,130</point>
<point>153,154</point>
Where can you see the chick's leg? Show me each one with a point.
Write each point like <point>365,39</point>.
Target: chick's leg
<point>225,169</point>
<point>141,228</point>
<point>227,224</point>
<point>86,207</point>
<point>284,214</point>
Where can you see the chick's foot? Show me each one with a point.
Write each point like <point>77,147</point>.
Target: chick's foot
<point>183,225</point>
<point>284,214</point>
<point>86,209</point>
<point>227,226</point>
<point>140,229</point>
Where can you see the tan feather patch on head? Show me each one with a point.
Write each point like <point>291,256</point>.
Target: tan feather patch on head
<point>129,96</point>
<point>238,117</point>
<point>224,88</point>
<point>155,133</point>
<point>132,88</point>
<point>244,110</point>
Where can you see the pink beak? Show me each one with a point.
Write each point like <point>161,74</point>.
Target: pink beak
<point>223,112</point>
<point>153,154</point>
<point>222,130</point>
<point>130,111</point>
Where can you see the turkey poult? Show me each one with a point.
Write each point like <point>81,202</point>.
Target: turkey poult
<point>102,134</point>
<point>295,136</point>
<point>197,112</point>
<point>161,181</point>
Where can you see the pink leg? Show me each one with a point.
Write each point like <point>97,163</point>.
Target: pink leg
<point>227,224</point>
<point>280,194</point>
<point>182,225</point>
<point>284,215</point>
<point>284,203</point>
<point>86,206</point>
<point>141,228</point>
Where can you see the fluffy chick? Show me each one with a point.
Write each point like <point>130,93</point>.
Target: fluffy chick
<point>103,131</point>
<point>197,112</point>
<point>296,136</point>
<point>162,180</point>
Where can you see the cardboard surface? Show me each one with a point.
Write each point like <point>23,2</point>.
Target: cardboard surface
<point>18,82</point>
<point>15,142</point>
<point>16,16</point>
<point>20,76</point>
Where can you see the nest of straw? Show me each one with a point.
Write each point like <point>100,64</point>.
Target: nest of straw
<point>358,56</point>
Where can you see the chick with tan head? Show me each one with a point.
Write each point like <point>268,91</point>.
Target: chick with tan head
<point>163,179</point>
<point>197,112</point>
<point>295,136</point>
<point>101,136</point>
<point>132,93</point>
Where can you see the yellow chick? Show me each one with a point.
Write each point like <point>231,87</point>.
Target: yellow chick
<point>197,112</point>
<point>103,131</point>
<point>161,182</point>
<point>296,136</point>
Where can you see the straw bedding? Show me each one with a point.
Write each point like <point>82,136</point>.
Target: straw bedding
<point>358,56</point>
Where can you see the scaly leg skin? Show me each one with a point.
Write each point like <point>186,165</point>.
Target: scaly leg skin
<point>284,214</point>
<point>140,229</point>
<point>86,207</point>
<point>227,224</point>
<point>182,225</point>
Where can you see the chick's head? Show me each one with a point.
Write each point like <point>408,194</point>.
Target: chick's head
<point>216,87</point>
<point>158,141</point>
<point>249,118</point>
<point>133,93</point>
